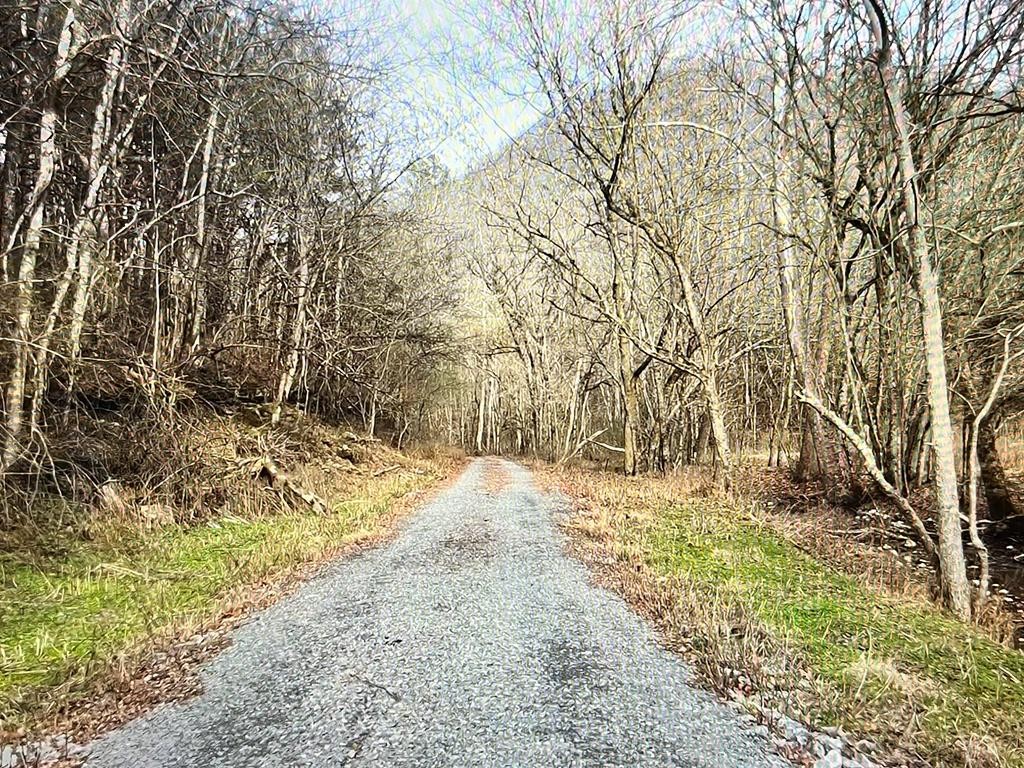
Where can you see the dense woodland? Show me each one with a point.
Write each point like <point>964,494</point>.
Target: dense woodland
<point>198,194</point>
<point>796,242</point>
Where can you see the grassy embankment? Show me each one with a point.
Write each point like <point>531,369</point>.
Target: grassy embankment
<point>85,605</point>
<point>760,615</point>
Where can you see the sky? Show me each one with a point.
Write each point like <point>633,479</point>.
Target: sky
<point>463,77</point>
<point>455,78</point>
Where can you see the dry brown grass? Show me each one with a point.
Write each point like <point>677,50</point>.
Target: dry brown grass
<point>829,535</point>
<point>730,648</point>
<point>436,452</point>
<point>1011,452</point>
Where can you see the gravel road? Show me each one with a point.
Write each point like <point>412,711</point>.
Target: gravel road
<point>470,640</point>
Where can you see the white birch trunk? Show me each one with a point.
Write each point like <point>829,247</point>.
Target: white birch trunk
<point>24,302</point>
<point>82,244</point>
<point>287,379</point>
<point>198,245</point>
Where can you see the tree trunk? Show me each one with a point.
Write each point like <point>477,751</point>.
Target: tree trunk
<point>574,403</point>
<point>701,440</point>
<point>84,234</point>
<point>198,245</point>
<point>24,302</point>
<point>480,417</point>
<point>287,379</point>
<point>371,425</point>
<point>974,466</point>
<point>709,377</point>
<point>9,188</point>
<point>812,463</point>
<point>953,567</point>
<point>630,407</point>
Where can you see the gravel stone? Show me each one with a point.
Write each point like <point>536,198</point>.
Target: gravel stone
<point>833,759</point>
<point>831,743</point>
<point>796,732</point>
<point>470,640</point>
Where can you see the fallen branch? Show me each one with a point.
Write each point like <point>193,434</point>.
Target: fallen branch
<point>607,447</point>
<point>873,469</point>
<point>268,471</point>
<point>579,445</point>
<point>584,441</point>
<point>385,470</point>
<point>593,441</point>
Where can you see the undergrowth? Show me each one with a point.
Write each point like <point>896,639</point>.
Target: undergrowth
<point>814,640</point>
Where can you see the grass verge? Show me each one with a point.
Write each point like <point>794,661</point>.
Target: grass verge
<point>769,624</point>
<point>93,628</point>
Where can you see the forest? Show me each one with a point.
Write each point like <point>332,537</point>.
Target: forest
<point>807,253</point>
<point>762,244</point>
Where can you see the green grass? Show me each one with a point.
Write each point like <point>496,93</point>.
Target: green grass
<point>878,651</point>
<point>65,616</point>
